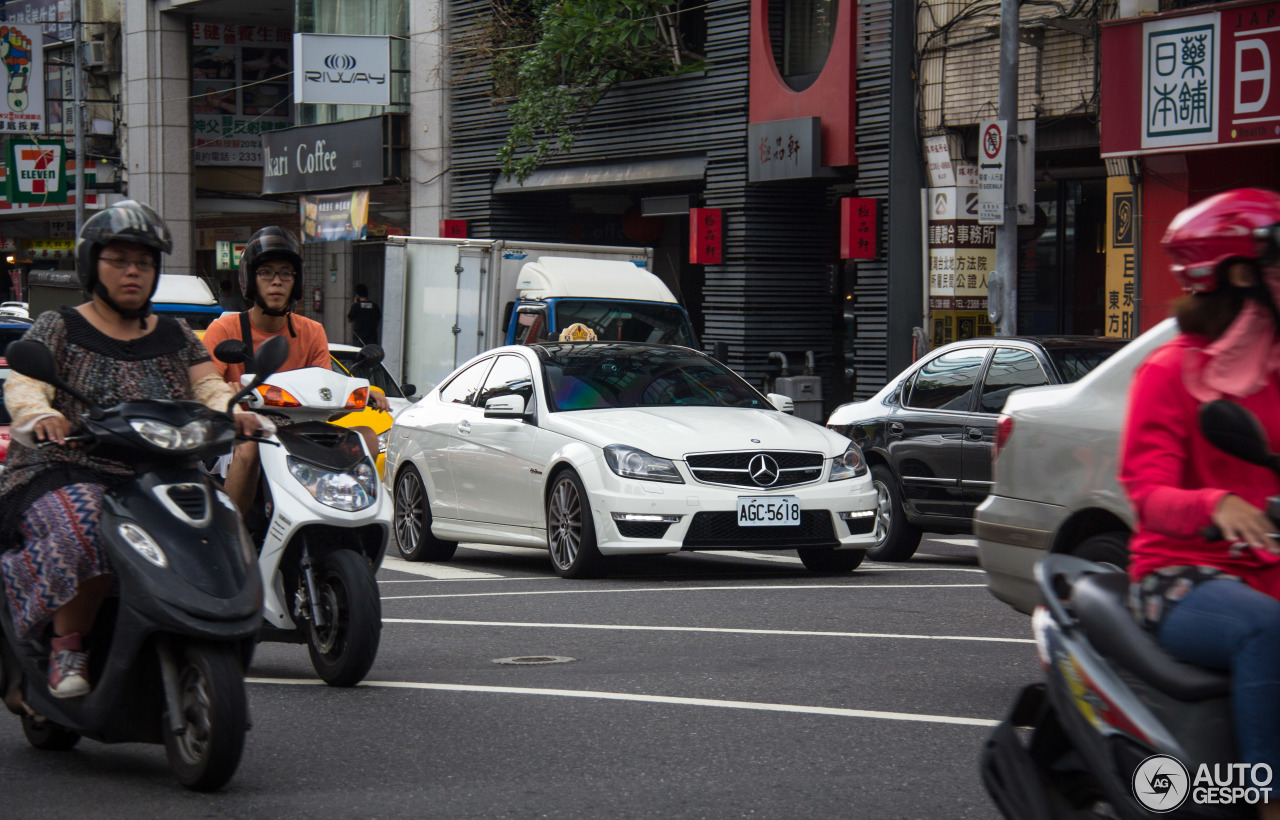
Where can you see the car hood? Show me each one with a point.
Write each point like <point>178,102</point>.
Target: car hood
<point>855,412</point>
<point>670,432</point>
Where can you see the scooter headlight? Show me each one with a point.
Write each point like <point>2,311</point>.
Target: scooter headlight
<point>143,544</point>
<point>349,491</point>
<point>191,436</point>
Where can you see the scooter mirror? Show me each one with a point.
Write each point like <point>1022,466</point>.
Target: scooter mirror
<point>232,351</point>
<point>1236,431</point>
<point>270,356</point>
<point>35,361</point>
<point>371,354</point>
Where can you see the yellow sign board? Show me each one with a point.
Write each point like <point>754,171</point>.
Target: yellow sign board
<point>1122,231</point>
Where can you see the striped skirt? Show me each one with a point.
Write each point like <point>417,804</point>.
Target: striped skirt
<point>61,551</point>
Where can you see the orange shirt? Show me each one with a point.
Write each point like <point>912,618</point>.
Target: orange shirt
<point>310,348</point>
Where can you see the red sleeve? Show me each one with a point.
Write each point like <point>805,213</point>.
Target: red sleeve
<point>1155,447</point>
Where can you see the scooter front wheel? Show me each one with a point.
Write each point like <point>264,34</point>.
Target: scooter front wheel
<point>215,715</point>
<point>344,648</point>
<point>47,735</point>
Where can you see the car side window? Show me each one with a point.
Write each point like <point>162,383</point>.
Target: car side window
<point>510,377</point>
<point>1011,369</point>
<point>463,387</point>
<point>947,382</point>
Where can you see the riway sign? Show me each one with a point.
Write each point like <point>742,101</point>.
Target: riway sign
<point>323,157</point>
<point>350,69</point>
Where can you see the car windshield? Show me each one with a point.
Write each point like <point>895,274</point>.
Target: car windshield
<point>647,322</point>
<point>1074,362</point>
<point>592,377</point>
<point>375,373</point>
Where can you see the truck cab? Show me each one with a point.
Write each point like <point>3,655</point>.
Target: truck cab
<point>616,299</point>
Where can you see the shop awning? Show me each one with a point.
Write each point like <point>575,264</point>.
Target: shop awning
<point>609,175</point>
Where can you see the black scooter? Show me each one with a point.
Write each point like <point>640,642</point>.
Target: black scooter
<point>168,656</point>
<point>1115,707</point>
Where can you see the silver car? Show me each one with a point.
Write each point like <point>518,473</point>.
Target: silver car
<point>1054,469</point>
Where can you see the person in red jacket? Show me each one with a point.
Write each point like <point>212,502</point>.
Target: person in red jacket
<point>1213,603</point>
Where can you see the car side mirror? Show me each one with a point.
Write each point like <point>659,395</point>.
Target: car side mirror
<point>370,355</point>
<point>409,390</point>
<point>782,403</point>
<point>505,407</point>
<point>231,351</point>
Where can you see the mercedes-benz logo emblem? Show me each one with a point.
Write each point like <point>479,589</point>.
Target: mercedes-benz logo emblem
<point>763,470</point>
<point>326,393</point>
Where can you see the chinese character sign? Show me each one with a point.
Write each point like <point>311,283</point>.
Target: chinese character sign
<point>240,89</point>
<point>1120,306</point>
<point>962,254</point>
<point>453,228</point>
<point>858,235</point>
<point>22,51</point>
<point>1180,82</point>
<point>337,216</point>
<point>705,240</point>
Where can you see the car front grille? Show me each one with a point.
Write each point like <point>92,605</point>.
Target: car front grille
<point>734,469</point>
<point>642,529</point>
<point>720,530</point>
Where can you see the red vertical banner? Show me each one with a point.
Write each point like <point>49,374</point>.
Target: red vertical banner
<point>453,228</point>
<point>858,235</point>
<point>705,236</point>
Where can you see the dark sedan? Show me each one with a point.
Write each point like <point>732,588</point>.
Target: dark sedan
<point>929,433</point>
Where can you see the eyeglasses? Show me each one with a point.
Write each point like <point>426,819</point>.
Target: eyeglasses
<point>268,275</point>
<point>121,263</point>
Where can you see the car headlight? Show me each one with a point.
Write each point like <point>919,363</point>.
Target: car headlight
<point>383,438</point>
<point>849,465</point>
<point>630,462</point>
<point>190,436</point>
<point>143,544</point>
<point>349,491</point>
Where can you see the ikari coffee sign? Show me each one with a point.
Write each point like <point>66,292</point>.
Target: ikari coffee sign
<point>342,69</point>
<point>35,171</point>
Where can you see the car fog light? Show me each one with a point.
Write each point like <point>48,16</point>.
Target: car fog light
<point>647,518</point>
<point>857,514</point>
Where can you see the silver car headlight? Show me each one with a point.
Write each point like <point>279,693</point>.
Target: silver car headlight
<point>143,543</point>
<point>349,491</point>
<point>190,436</point>
<point>849,465</point>
<point>630,462</point>
<point>383,438</point>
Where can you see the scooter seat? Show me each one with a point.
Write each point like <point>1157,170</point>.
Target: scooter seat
<point>1099,602</point>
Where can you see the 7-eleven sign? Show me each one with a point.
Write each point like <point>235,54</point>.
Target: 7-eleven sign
<point>36,170</point>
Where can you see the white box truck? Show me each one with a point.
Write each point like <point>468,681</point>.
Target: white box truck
<point>446,300</point>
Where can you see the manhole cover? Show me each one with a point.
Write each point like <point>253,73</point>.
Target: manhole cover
<point>534,660</point>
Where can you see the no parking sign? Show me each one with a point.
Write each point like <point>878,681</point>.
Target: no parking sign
<point>992,136</point>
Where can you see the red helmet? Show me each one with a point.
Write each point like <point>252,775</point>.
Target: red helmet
<point>1239,224</point>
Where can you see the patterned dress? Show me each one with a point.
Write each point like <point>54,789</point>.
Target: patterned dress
<point>51,498</point>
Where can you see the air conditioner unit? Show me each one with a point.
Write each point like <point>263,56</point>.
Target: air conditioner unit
<point>94,54</point>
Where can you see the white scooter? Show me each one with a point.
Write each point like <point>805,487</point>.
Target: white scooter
<point>321,521</point>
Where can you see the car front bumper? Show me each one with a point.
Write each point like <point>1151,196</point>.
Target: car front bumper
<point>1013,535</point>
<point>697,516</point>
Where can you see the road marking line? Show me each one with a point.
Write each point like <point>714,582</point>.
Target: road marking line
<point>439,572</point>
<point>685,589</point>
<point>959,542</point>
<point>627,696</point>
<point>727,631</point>
<point>382,581</point>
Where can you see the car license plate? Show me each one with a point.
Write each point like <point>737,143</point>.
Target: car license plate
<point>768,511</point>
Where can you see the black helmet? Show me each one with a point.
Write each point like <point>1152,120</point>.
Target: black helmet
<point>125,221</point>
<point>272,242</point>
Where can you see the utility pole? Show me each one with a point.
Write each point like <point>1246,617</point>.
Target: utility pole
<point>1003,287</point>
<point>77,113</point>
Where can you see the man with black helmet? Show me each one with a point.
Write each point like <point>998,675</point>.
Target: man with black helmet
<point>111,350</point>
<point>271,280</point>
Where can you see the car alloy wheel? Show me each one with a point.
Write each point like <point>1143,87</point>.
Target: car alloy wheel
<point>411,521</point>
<point>571,533</point>
<point>896,537</point>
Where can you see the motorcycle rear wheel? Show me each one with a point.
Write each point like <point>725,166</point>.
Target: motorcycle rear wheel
<point>215,716</point>
<point>344,649</point>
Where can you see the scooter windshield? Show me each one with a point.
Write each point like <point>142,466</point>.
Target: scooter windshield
<point>324,445</point>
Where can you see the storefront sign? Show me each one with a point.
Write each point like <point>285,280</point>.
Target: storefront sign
<point>240,90</point>
<point>22,110</point>
<point>1191,80</point>
<point>784,149</point>
<point>937,156</point>
<point>228,253</point>
<point>858,234</point>
<point>50,249</point>
<point>343,69</point>
<point>333,217</point>
<point>322,157</point>
<point>53,16</point>
<point>58,229</point>
<point>453,228</point>
<point>705,240</point>
<point>962,254</point>
<point>1120,306</point>
<point>35,171</point>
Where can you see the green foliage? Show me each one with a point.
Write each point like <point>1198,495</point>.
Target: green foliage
<point>578,51</point>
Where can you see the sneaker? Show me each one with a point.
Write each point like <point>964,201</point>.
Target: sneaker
<point>68,668</point>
